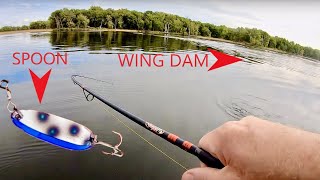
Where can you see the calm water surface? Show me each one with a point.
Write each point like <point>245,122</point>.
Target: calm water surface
<point>186,101</point>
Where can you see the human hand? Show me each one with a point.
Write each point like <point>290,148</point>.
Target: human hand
<point>253,148</point>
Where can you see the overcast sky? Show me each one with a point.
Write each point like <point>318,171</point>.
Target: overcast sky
<point>294,20</point>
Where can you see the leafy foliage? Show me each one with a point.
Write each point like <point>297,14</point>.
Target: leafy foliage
<point>13,28</point>
<point>39,25</point>
<point>96,16</point>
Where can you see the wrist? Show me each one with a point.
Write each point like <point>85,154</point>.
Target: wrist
<point>310,159</point>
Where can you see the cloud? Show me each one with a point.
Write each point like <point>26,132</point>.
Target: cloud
<point>294,20</point>
<point>25,5</point>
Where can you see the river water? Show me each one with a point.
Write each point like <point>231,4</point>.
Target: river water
<point>188,101</point>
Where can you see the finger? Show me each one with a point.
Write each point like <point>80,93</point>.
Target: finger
<point>203,164</point>
<point>217,141</point>
<point>200,174</point>
<point>209,173</point>
<point>211,142</point>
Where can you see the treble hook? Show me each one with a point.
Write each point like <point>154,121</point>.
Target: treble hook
<point>116,151</point>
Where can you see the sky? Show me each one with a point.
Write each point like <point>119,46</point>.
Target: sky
<point>296,20</point>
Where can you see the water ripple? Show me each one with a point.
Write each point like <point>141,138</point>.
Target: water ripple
<point>245,105</point>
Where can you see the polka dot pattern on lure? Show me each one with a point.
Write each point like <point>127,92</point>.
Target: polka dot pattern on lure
<point>60,131</point>
<point>43,117</point>
<point>74,130</point>
<point>55,130</point>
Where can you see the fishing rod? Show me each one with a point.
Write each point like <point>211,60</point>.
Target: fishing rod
<point>203,155</point>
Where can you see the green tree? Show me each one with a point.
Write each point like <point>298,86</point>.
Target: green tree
<point>96,16</point>
<point>39,25</point>
<point>272,42</point>
<point>158,21</point>
<point>68,18</point>
<point>109,22</point>
<point>82,21</point>
<point>204,30</point>
<point>56,19</point>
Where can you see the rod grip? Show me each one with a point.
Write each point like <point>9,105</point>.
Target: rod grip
<point>209,160</point>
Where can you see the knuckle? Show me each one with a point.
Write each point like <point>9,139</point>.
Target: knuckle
<point>250,117</point>
<point>187,175</point>
<point>224,134</point>
<point>204,140</point>
<point>248,120</point>
<point>234,128</point>
<point>212,136</point>
<point>230,125</point>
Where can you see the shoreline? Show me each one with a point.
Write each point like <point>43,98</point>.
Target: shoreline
<point>79,29</point>
<point>144,32</point>
<point>121,30</point>
<point>25,31</point>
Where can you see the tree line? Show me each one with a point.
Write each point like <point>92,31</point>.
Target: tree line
<point>98,17</point>
<point>32,25</point>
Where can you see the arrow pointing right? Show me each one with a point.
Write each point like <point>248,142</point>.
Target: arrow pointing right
<point>222,59</point>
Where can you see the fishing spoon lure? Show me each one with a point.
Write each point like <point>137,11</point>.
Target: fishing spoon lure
<point>56,130</point>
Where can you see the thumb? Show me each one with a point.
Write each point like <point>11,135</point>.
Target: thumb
<point>207,173</point>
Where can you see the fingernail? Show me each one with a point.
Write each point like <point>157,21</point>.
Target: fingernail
<point>187,176</point>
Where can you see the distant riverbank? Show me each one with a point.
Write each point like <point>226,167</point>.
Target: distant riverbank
<point>24,31</point>
<point>78,29</point>
<point>98,19</point>
<point>119,30</point>
<point>139,31</point>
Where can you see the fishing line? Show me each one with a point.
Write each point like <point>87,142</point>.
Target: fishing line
<point>66,133</point>
<point>141,137</point>
<point>203,155</point>
<point>87,95</point>
<point>70,135</point>
<point>98,80</point>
